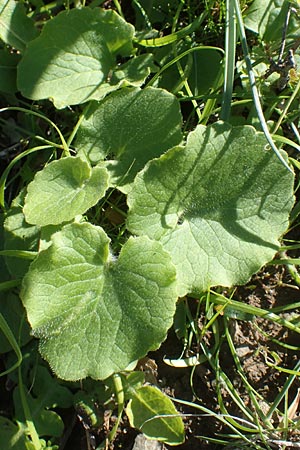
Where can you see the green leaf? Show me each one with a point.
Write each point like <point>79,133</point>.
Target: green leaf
<point>132,73</point>
<point>268,19</point>
<point>19,235</point>
<point>62,190</point>
<point>48,390</point>
<point>94,314</point>
<point>5,275</point>
<point>16,29</point>
<point>154,414</point>
<point>45,393</point>
<point>8,71</point>
<point>201,69</point>
<point>11,437</point>
<point>219,205</point>
<point>13,312</point>
<point>46,422</point>
<point>74,55</point>
<point>150,124</point>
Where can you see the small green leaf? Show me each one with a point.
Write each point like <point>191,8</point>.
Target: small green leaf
<point>16,29</point>
<point>154,414</point>
<point>74,55</point>
<point>94,314</point>
<point>62,190</point>
<point>218,205</point>
<point>150,124</point>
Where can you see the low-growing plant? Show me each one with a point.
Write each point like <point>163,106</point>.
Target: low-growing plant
<point>129,208</point>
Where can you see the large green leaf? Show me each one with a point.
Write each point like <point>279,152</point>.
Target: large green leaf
<point>74,55</point>
<point>154,414</point>
<point>132,125</point>
<point>218,205</point>
<point>62,190</point>
<point>94,314</point>
<point>16,29</point>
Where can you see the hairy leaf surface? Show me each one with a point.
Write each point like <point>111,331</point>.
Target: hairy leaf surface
<point>218,205</point>
<point>95,315</point>
<point>133,126</point>
<point>62,190</point>
<point>74,55</point>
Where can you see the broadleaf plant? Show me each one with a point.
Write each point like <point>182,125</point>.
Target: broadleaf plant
<point>95,315</point>
<point>217,205</point>
<point>155,415</point>
<point>151,124</point>
<point>63,189</point>
<point>144,212</point>
<point>16,29</point>
<point>75,58</point>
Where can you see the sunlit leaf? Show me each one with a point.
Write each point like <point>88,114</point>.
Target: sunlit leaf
<point>219,205</point>
<point>155,415</point>
<point>132,126</point>
<point>94,314</point>
<point>62,190</point>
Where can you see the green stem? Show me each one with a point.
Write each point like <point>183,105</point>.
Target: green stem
<point>254,89</point>
<point>10,166</point>
<point>11,339</point>
<point>230,46</point>
<point>28,419</point>
<point>118,386</point>
<point>41,116</point>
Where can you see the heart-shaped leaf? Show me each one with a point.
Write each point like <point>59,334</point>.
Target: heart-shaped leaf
<point>219,205</point>
<point>74,55</point>
<point>151,124</point>
<point>95,315</point>
<point>62,190</point>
